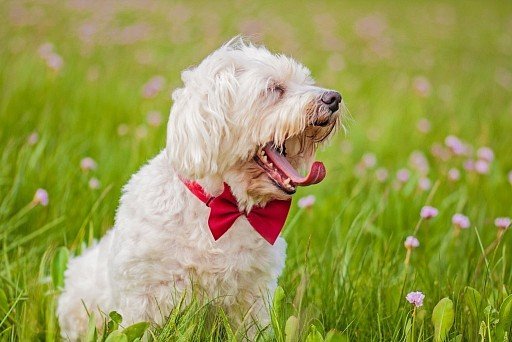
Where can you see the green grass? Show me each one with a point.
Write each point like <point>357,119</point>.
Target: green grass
<point>345,268</point>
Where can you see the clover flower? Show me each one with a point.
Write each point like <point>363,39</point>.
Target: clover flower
<point>154,118</point>
<point>456,145</point>
<point>411,242</point>
<point>428,212</point>
<point>381,174</point>
<point>423,125</point>
<point>41,197</point>
<point>33,138</point>
<point>453,174</point>
<point>53,60</point>
<point>369,160</point>
<point>94,183</point>
<point>482,166</point>
<point>461,221</point>
<point>403,175</point>
<point>485,153</point>
<point>87,164</point>
<point>306,202</point>
<point>153,87</point>
<point>421,86</point>
<point>45,49</point>
<point>419,162</point>
<point>141,131</point>
<point>469,165</point>
<point>415,298</point>
<point>372,26</point>
<point>424,184</point>
<point>123,129</point>
<point>502,222</point>
<point>440,152</point>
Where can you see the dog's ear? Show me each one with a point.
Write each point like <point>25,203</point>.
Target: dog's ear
<point>200,117</point>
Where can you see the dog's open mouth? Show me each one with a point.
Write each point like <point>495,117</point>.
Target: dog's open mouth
<point>273,161</point>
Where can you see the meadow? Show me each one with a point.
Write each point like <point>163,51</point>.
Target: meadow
<point>84,100</point>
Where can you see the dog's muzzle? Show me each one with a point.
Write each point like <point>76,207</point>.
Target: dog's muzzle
<point>328,105</point>
<point>332,100</point>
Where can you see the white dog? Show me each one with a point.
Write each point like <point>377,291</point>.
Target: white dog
<point>208,209</point>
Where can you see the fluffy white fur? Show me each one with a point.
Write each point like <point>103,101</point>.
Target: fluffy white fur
<point>236,100</point>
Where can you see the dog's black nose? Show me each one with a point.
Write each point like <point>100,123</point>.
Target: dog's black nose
<point>332,99</point>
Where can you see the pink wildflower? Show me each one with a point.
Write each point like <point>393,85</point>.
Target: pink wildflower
<point>502,222</point>
<point>369,160</point>
<point>41,197</point>
<point>33,138</point>
<point>419,162</point>
<point>94,183</point>
<point>424,184</point>
<point>153,87</point>
<point>381,174</point>
<point>453,174</point>
<point>45,50</point>
<point>461,221</point>
<point>154,118</point>
<point>510,177</point>
<point>403,175</point>
<point>306,202</point>
<point>371,27</point>
<point>427,212</point>
<point>421,86</point>
<point>141,132</point>
<point>411,242</point>
<point>123,129</point>
<point>486,154</point>
<point>469,165</point>
<point>482,167</point>
<point>423,125</point>
<point>415,298</point>
<point>440,152</point>
<point>54,61</point>
<point>87,164</point>
<point>456,145</point>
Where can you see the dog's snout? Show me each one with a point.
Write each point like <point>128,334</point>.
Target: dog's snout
<point>332,99</point>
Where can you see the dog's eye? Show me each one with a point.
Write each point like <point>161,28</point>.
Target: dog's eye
<point>277,89</point>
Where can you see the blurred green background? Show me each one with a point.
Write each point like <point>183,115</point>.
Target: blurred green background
<point>93,79</point>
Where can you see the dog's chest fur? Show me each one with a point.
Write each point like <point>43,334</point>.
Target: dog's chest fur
<point>161,247</point>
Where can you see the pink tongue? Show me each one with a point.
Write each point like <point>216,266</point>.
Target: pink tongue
<point>316,173</point>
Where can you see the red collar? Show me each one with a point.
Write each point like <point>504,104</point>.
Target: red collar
<point>268,221</point>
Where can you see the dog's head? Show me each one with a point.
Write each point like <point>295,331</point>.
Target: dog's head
<point>251,119</point>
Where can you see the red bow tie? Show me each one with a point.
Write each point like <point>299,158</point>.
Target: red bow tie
<point>267,221</point>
